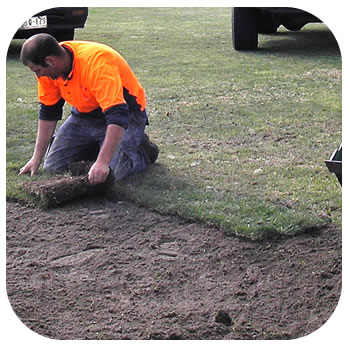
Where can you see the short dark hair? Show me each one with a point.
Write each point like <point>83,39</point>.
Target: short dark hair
<point>38,47</point>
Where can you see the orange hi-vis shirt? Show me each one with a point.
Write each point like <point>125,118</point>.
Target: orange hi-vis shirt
<point>100,78</point>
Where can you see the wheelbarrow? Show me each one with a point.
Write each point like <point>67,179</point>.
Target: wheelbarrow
<point>334,164</point>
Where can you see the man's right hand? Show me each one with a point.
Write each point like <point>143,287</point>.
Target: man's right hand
<point>31,167</point>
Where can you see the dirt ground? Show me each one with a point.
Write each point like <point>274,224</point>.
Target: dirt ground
<point>98,269</point>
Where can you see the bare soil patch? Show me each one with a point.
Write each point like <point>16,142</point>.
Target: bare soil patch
<point>98,269</point>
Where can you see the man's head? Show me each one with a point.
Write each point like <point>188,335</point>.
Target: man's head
<point>44,56</point>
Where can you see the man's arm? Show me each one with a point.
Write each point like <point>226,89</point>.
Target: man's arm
<point>100,169</point>
<point>46,129</point>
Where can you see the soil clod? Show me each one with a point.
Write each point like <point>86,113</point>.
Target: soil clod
<point>224,318</point>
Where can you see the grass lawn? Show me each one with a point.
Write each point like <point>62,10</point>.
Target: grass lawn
<point>243,135</point>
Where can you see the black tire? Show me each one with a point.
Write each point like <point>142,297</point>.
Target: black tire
<point>244,28</point>
<point>63,35</point>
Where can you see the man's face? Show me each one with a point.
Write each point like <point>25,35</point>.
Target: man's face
<point>50,71</point>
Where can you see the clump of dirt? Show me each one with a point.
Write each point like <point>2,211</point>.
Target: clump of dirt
<point>97,269</point>
<point>224,318</point>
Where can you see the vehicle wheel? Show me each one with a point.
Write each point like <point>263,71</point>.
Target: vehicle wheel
<point>63,35</point>
<point>244,28</point>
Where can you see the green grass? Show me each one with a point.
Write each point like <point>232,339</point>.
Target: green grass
<point>243,135</point>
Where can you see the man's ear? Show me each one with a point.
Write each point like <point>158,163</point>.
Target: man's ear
<point>50,61</point>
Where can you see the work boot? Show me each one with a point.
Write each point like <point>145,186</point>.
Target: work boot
<point>150,148</point>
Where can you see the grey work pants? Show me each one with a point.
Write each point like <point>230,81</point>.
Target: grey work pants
<point>80,138</point>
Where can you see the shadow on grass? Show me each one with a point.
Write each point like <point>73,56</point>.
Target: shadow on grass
<point>306,43</point>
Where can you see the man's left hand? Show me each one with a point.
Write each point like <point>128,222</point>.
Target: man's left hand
<point>98,173</point>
